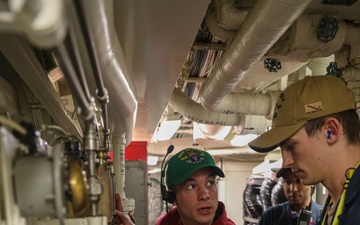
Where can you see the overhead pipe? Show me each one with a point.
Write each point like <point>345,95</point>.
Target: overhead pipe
<point>217,31</point>
<point>86,105</point>
<point>122,111</point>
<point>119,169</point>
<point>296,46</point>
<point>101,92</point>
<point>352,74</point>
<point>249,45</point>
<point>213,123</point>
<point>230,108</point>
<point>228,16</point>
<point>352,38</point>
<point>42,21</point>
<point>187,107</point>
<point>318,65</point>
<point>249,104</point>
<point>23,59</point>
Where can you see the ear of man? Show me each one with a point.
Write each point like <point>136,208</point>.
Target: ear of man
<point>333,129</point>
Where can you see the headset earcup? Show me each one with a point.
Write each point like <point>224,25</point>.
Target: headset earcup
<point>170,197</point>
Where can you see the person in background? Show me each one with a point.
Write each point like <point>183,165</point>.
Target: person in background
<point>317,127</point>
<point>191,178</point>
<point>299,198</point>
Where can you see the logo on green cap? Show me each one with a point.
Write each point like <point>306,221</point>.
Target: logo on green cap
<point>192,156</point>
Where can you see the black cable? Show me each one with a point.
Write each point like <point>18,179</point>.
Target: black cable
<point>164,194</point>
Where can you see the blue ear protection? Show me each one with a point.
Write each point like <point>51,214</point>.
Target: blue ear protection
<point>328,134</point>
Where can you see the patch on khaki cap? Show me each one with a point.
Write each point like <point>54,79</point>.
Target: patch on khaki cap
<point>313,107</point>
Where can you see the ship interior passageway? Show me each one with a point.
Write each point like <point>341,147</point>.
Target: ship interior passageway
<point>93,93</point>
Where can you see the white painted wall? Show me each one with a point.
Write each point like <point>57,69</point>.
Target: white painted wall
<point>231,188</point>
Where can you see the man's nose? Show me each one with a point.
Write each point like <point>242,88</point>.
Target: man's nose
<point>293,187</point>
<point>203,193</point>
<point>287,159</point>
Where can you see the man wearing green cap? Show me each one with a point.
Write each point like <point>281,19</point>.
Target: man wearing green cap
<point>192,186</point>
<point>317,127</point>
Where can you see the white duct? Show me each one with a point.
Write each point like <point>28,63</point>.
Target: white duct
<point>187,107</point>
<point>318,65</point>
<point>353,40</point>
<point>351,74</point>
<point>215,125</point>
<point>210,131</point>
<point>249,45</point>
<point>42,21</point>
<point>123,103</point>
<point>248,104</point>
<point>227,16</point>
<point>217,31</point>
<point>300,42</point>
<point>223,135</point>
<point>230,109</point>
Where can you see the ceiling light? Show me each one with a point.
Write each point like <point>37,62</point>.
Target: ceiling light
<point>152,160</point>
<point>168,128</point>
<point>242,140</point>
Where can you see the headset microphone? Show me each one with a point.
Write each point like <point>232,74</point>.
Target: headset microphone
<point>167,196</point>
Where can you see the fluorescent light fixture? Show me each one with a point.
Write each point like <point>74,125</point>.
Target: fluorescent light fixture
<point>167,129</point>
<point>155,170</point>
<point>152,160</point>
<point>242,140</point>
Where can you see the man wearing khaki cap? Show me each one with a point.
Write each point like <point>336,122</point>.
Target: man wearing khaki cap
<point>317,128</point>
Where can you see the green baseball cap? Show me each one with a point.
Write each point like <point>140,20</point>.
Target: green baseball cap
<point>307,99</point>
<point>186,162</point>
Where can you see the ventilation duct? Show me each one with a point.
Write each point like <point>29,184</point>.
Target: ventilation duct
<point>249,45</point>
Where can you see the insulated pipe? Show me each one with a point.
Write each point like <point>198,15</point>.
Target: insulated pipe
<point>228,16</point>
<point>63,56</point>
<point>229,109</point>
<point>119,164</point>
<point>249,45</point>
<point>101,92</point>
<point>318,65</point>
<point>248,104</point>
<point>42,21</point>
<point>197,113</point>
<point>351,74</point>
<point>74,54</point>
<point>217,31</point>
<point>352,38</point>
<point>100,17</point>
<point>119,169</point>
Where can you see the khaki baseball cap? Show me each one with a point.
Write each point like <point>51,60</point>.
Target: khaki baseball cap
<point>304,100</point>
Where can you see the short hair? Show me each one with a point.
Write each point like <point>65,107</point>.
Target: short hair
<point>349,120</point>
